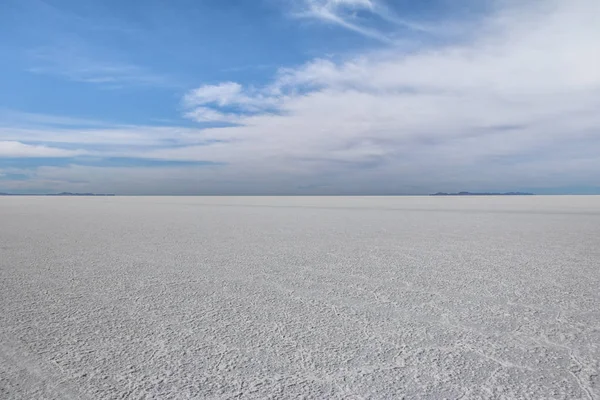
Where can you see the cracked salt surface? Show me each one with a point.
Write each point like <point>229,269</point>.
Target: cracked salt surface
<point>308,297</point>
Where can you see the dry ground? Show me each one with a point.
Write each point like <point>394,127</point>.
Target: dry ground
<point>291,297</point>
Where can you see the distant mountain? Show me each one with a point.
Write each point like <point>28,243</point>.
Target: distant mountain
<point>482,194</point>
<point>58,194</point>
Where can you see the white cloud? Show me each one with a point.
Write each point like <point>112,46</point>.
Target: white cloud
<point>222,94</point>
<point>227,94</point>
<point>115,137</point>
<point>10,117</point>
<point>205,114</point>
<point>18,149</point>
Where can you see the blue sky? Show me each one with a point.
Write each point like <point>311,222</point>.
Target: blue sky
<point>299,97</point>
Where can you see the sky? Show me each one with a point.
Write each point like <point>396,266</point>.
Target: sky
<point>299,97</point>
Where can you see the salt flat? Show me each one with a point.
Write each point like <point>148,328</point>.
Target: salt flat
<point>300,297</point>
